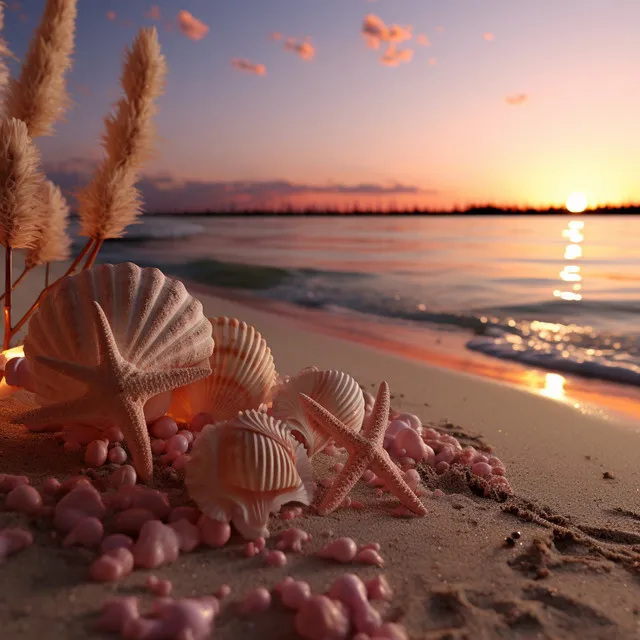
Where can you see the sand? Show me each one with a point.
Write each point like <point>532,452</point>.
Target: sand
<point>573,573</point>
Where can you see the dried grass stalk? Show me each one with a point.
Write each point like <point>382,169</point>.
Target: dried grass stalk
<point>52,242</point>
<point>20,182</point>
<point>39,97</point>
<point>4,53</point>
<point>111,202</point>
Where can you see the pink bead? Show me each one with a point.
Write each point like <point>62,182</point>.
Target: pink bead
<point>438,493</point>
<point>276,559</point>
<point>130,521</point>
<point>51,486</point>
<point>13,540</point>
<point>112,566</point>
<point>292,540</point>
<point>181,461</point>
<point>114,541</point>
<point>342,550</point>
<point>250,550</point>
<point>114,434</point>
<point>370,556</point>
<point>188,535</point>
<point>352,592</point>
<point>82,502</point>
<point>223,591</point>
<point>158,446</point>
<point>378,589</point>
<point>213,533</point>
<point>117,455</point>
<point>24,498</point>
<point>321,618</point>
<point>481,469</point>
<point>157,544</point>
<point>177,443</point>
<point>185,433</point>
<point>442,467</point>
<point>96,453</point>
<point>164,428</point>
<point>117,613</point>
<point>125,476</point>
<point>159,587</point>
<point>294,594</point>
<point>87,533</point>
<point>256,601</point>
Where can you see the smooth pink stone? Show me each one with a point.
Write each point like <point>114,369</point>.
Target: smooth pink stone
<point>370,545</point>
<point>185,619</point>
<point>158,544</point>
<point>379,589</point>
<point>321,618</point>
<point>395,426</point>
<point>159,586</point>
<point>369,556</point>
<point>442,467</point>
<point>352,592</point>
<point>71,446</point>
<point>438,493</point>
<point>169,457</point>
<point>250,550</point>
<point>479,457</point>
<point>116,613</point>
<point>256,601</point>
<point>125,476</point>
<point>113,565</point>
<point>114,434</point>
<point>115,541</point>
<point>343,550</point>
<point>223,591</point>
<point>96,453</point>
<point>143,498</point>
<point>481,469</point>
<point>292,540</point>
<point>130,521</point>
<point>87,533</point>
<point>74,482</point>
<point>200,421</point>
<point>391,631</point>
<point>13,540</point>
<point>51,487</point>
<point>177,443</point>
<point>413,420</point>
<point>82,502</point>
<point>260,543</point>
<point>117,455</point>
<point>184,513</point>
<point>9,482</point>
<point>188,435</point>
<point>276,558</point>
<point>188,535</point>
<point>158,446</point>
<point>294,593</point>
<point>23,498</point>
<point>447,454</point>
<point>493,461</point>
<point>181,461</point>
<point>212,532</point>
<point>164,428</point>
<point>412,478</point>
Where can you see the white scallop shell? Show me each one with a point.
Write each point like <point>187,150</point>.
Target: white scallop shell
<point>244,469</point>
<point>243,374</point>
<point>157,325</point>
<point>335,390</point>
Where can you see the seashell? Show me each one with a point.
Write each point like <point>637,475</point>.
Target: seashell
<point>152,322</point>
<point>243,374</point>
<point>244,469</point>
<point>335,390</point>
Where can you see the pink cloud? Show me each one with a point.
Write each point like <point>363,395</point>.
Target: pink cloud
<point>375,32</point>
<point>440,29</point>
<point>394,56</point>
<point>154,12</point>
<point>304,50</point>
<point>432,62</point>
<point>422,40</point>
<point>488,36</point>
<point>111,15</point>
<point>275,35</point>
<point>249,67</point>
<point>517,99</point>
<point>191,27</point>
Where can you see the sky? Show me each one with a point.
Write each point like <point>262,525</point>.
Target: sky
<point>429,103</point>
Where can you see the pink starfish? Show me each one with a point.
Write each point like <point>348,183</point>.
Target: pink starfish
<point>365,450</point>
<point>116,393</point>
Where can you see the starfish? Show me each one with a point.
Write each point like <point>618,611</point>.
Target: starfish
<point>365,450</point>
<point>116,393</point>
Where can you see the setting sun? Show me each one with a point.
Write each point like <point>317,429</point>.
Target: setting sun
<point>576,202</point>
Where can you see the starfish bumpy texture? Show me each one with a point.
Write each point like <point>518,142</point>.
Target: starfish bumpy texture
<point>116,393</point>
<point>365,451</point>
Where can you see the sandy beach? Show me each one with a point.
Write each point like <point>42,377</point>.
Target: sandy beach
<point>571,574</point>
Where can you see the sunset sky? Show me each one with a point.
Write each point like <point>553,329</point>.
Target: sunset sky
<point>430,102</point>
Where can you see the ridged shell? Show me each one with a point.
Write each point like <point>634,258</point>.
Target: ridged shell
<point>243,374</point>
<point>246,468</point>
<point>157,325</point>
<point>335,390</point>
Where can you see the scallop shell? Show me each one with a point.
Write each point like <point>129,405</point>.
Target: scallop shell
<point>243,374</point>
<point>157,325</point>
<point>246,468</point>
<point>335,390</point>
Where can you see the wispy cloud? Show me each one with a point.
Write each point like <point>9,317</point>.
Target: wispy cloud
<point>394,56</point>
<point>488,36</point>
<point>275,35</point>
<point>375,32</point>
<point>153,13</point>
<point>422,40</point>
<point>517,99</point>
<point>191,27</point>
<point>111,15</point>
<point>432,62</point>
<point>304,49</point>
<point>249,67</point>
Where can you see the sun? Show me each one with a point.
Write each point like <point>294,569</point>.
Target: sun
<point>576,202</point>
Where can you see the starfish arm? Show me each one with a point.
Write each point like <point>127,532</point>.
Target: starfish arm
<point>344,482</point>
<point>323,421</point>
<point>80,372</point>
<point>150,383</point>
<point>384,467</point>
<point>129,416</point>
<point>108,348</point>
<point>378,422</point>
<point>59,413</point>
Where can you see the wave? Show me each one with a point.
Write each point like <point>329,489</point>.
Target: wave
<point>153,229</point>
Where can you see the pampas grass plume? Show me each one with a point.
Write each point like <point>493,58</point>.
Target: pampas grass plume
<point>4,53</point>
<point>20,182</point>
<point>111,202</point>
<point>39,97</point>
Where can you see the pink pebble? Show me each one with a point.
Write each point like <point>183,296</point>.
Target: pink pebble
<point>158,446</point>
<point>411,442</point>
<point>184,513</point>
<point>96,453</point>
<point>342,550</point>
<point>331,451</point>
<point>391,631</point>
<point>24,498</point>
<point>157,544</point>
<point>276,559</point>
<point>111,566</point>
<point>117,613</point>
<point>188,435</point>
<point>378,589</point>
<point>142,497</point>
<point>164,428</point>
<point>356,504</point>
<point>370,545</point>
<point>212,532</point>
<point>117,455</point>
<point>124,476</point>
<point>256,601</point>
<point>321,618</point>
<point>115,541</point>
<point>188,535</point>
<point>87,533</point>
<point>338,467</point>
<point>82,502</point>
<point>413,420</point>
<point>442,467</point>
<point>159,586</point>
<point>13,540</point>
<point>177,443</point>
<point>223,591</point>
<point>438,493</point>
<point>200,421</point>
<point>130,521</point>
<point>294,593</point>
<point>260,543</point>
<point>369,556</point>
<point>481,469</point>
<point>114,434</point>
<point>368,475</point>
<point>73,482</point>
<point>250,550</point>
<point>352,592</point>
<point>181,461</point>
<point>169,457</point>
<point>51,486</point>
<point>292,540</point>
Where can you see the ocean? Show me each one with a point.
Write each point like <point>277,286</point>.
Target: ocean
<point>555,292</point>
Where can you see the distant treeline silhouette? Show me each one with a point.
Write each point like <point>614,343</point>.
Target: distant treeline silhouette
<point>474,210</point>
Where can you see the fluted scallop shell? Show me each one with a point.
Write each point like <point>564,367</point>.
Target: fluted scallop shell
<point>242,376</point>
<point>157,325</point>
<point>246,468</point>
<point>335,390</point>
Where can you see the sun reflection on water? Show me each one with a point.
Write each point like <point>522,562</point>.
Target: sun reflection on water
<point>571,272</point>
